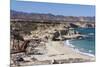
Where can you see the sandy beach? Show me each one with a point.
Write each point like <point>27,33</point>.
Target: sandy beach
<point>57,50</point>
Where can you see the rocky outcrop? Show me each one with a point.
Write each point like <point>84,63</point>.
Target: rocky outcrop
<point>82,25</point>
<point>36,47</point>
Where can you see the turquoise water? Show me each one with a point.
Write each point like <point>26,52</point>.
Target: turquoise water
<point>86,45</point>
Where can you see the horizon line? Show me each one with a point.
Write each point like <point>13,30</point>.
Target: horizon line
<point>49,13</point>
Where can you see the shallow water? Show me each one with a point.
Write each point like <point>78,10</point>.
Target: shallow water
<point>86,45</point>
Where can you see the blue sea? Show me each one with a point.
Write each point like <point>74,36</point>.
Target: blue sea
<point>86,45</point>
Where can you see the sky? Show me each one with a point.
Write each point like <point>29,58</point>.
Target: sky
<point>53,8</point>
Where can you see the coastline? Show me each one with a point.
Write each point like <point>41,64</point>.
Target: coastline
<point>67,52</point>
<point>57,53</point>
<point>50,52</point>
<point>67,43</point>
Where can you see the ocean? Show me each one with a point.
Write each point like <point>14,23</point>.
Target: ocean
<point>86,45</point>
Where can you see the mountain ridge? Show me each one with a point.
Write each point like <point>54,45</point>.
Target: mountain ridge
<point>39,16</point>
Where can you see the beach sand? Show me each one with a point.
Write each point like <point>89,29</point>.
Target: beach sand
<point>56,50</point>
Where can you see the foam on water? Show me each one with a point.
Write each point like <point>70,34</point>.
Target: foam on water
<point>67,42</point>
<point>84,46</point>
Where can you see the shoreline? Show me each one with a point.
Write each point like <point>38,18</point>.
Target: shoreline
<point>76,49</point>
<point>57,53</point>
<point>68,51</point>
